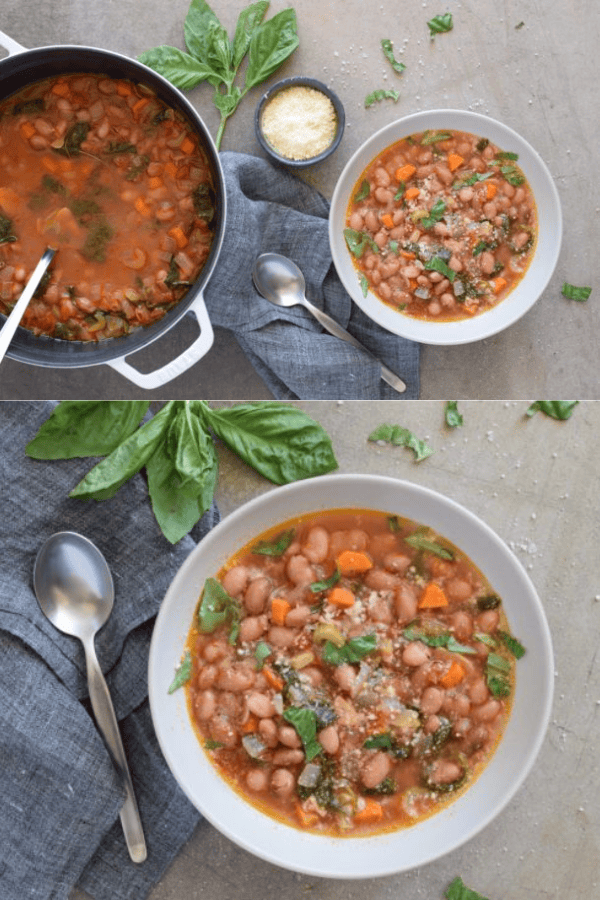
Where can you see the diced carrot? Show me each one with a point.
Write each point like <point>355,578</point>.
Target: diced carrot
<point>341,597</point>
<point>139,105</point>
<point>371,812</point>
<point>27,130</point>
<point>66,164</point>
<point>50,163</point>
<point>154,182</point>
<point>179,235</point>
<point>306,819</point>
<point>490,190</point>
<point>454,161</point>
<point>187,145</point>
<point>498,284</point>
<point>274,680</point>
<point>171,169</point>
<point>408,254</point>
<point>353,562</point>
<point>387,220</point>
<point>405,172</point>
<point>432,597</point>
<point>123,88</point>
<point>279,610</point>
<point>61,88</point>
<point>142,207</point>
<point>251,724</point>
<point>411,193</point>
<point>453,676</point>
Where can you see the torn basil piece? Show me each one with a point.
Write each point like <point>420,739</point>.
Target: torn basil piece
<point>276,547</point>
<point>183,673</point>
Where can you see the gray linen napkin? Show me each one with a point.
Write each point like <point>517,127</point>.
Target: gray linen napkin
<point>272,210</point>
<point>59,796</point>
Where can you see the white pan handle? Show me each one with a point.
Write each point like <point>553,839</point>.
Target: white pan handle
<point>10,45</point>
<point>188,358</point>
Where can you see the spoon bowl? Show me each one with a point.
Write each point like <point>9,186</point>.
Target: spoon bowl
<point>75,591</point>
<point>279,280</point>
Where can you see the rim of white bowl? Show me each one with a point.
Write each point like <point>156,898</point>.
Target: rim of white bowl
<point>382,854</point>
<point>541,268</point>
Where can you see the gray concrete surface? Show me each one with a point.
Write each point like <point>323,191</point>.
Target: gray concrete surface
<point>535,482</point>
<point>532,65</point>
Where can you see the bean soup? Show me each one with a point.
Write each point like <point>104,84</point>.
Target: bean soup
<point>349,672</point>
<point>442,225</point>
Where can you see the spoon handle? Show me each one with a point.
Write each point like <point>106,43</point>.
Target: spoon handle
<point>107,723</point>
<point>12,323</point>
<point>336,329</point>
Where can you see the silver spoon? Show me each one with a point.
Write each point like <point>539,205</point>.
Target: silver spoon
<point>12,322</point>
<point>75,590</point>
<point>280,281</point>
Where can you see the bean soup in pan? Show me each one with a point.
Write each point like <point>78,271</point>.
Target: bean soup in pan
<point>442,225</point>
<point>117,181</point>
<point>349,672</point>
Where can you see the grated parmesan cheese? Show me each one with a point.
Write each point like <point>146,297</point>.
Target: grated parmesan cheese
<point>299,122</point>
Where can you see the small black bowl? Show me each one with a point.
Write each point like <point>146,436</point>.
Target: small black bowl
<point>299,81</point>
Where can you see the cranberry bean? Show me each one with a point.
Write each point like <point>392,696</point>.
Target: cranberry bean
<point>396,562</point>
<point>455,264</point>
<point>215,650</point>
<point>268,732</point>
<point>406,603</point>
<point>380,611</point>
<point>205,704</point>
<point>445,771</point>
<point>458,589</point>
<point>317,544</point>
<point>382,178</point>
<point>432,723</point>
<point>345,677</point>
<point>375,769</point>
<point>462,625</point>
<point>235,580</point>
<point>257,780</point>
<point>282,783</point>
<point>488,621</point>
<point>410,271</point>
<point>490,210</point>
<point>38,142</point>
<point>252,627</point>
<point>385,291</point>
<point>260,705</point>
<point>434,308</point>
<point>236,678</point>
<point>520,239</point>
<point>380,580</point>
<point>299,570</point>
<point>298,616</point>
<point>487,711</point>
<point>288,757</point>
<point>466,194</point>
<point>415,654</point>
<point>447,300</point>
<point>288,736</point>
<point>371,221</point>
<point>222,730</point>
<point>280,636</point>
<point>478,691</point>
<point>256,594</point>
<point>444,174</point>
<point>207,677</point>
<point>381,239</point>
<point>383,196</point>
<point>431,701</point>
<point>314,675</point>
<point>356,221</point>
<point>329,740</point>
<point>519,196</point>
<point>487,262</point>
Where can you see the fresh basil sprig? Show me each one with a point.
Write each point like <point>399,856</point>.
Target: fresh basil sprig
<point>401,437</point>
<point>440,24</point>
<point>177,449</point>
<point>214,58</point>
<point>555,409</point>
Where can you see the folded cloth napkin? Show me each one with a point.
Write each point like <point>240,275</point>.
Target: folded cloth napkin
<point>271,210</point>
<point>59,795</point>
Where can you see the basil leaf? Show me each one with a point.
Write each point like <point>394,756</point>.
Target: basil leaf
<point>281,442</point>
<point>262,651</point>
<point>270,45</point>
<point>512,644</point>
<point>178,67</point>
<point>513,175</point>
<point>78,428</point>
<point>305,722</point>
<point>351,652</point>
<point>276,547</point>
<point>388,52</point>
<point>364,283</point>
<point>212,745</point>
<point>435,214</point>
<point>440,24</point>
<point>401,437</point>
<point>485,638</point>
<point>248,21</point>
<point>437,264</point>
<point>182,475</point>
<point>183,673</point>
<point>363,191</point>
<point>452,415</point>
<point>207,41</point>
<point>420,542</point>
<point>455,647</point>
<point>497,670</point>
<point>105,479</point>
<point>7,236</point>
<point>381,741</point>
<point>571,292</point>
<point>507,154</point>
<point>324,585</point>
<point>457,890</point>
<point>216,608</point>
<point>434,137</point>
<point>73,139</point>
<point>358,241</point>
<point>555,409</point>
<point>443,639</point>
<point>380,94</point>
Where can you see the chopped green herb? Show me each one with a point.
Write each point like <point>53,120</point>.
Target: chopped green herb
<point>555,409</point>
<point>434,137</point>
<point>216,608</point>
<point>437,264</point>
<point>173,276</point>
<point>400,192</point>
<point>114,148</point>
<point>571,292</point>
<point>139,166</point>
<point>351,652</point>
<point>457,890</point>
<point>388,52</point>
<point>358,241</point>
<point>401,437</point>
<point>440,24</point>
<point>513,175</point>
<point>507,154</point>
<point>420,542</point>
<point>490,601</point>
<point>364,284</point>
<point>74,138</point>
<point>98,237</point>
<point>441,639</point>
<point>305,722</point>
<point>519,25</point>
<point>183,673</point>
<point>324,585</point>
<point>7,235</point>
<point>435,214</point>
<point>452,415</point>
<point>380,94</point>
<point>278,546</point>
<point>381,741</point>
<point>212,745</point>
<point>363,191</point>
<point>262,651</point>
<point>497,671</point>
<point>394,524</point>
<point>29,107</point>
<point>385,788</point>
<point>393,247</point>
<point>481,144</point>
<point>512,644</point>
<point>204,202</point>
<point>471,179</point>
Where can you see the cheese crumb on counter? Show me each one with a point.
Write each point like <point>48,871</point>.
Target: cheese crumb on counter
<point>299,122</point>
